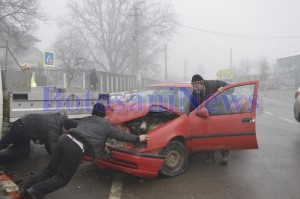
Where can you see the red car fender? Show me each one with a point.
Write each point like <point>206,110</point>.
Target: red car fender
<point>159,139</point>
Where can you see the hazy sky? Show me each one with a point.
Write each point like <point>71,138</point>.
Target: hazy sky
<point>251,28</point>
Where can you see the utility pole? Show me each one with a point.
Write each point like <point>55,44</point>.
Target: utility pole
<point>185,63</point>
<point>166,62</point>
<point>6,54</point>
<point>230,64</point>
<point>7,50</point>
<point>136,34</point>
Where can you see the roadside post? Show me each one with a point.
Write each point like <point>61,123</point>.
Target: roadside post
<point>49,61</point>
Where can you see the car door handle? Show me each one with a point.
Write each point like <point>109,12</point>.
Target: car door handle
<point>247,120</point>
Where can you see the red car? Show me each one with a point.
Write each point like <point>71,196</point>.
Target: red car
<point>226,120</point>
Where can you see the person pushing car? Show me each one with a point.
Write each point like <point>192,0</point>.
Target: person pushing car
<point>89,137</point>
<point>41,128</point>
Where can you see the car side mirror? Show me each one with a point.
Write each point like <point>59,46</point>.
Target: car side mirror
<point>203,112</point>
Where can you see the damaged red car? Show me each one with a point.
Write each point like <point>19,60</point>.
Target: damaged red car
<point>226,120</point>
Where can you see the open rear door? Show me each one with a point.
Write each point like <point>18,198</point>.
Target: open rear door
<point>230,122</point>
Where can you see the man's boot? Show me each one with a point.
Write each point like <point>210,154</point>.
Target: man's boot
<point>210,158</point>
<point>225,156</point>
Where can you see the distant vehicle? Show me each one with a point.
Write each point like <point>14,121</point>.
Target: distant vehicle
<point>297,105</point>
<point>226,120</point>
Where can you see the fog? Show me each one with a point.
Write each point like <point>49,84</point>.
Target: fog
<point>210,30</point>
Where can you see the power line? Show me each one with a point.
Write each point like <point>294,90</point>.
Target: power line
<point>241,36</point>
<point>51,35</point>
<point>223,34</point>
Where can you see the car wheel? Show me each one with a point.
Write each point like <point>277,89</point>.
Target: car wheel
<point>176,159</point>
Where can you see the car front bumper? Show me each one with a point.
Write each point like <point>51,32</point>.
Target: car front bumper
<point>136,163</point>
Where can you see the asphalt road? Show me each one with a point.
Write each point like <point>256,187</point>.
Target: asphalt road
<point>272,171</point>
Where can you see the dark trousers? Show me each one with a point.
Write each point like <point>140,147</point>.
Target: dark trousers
<point>210,154</point>
<point>61,167</point>
<point>21,145</point>
<point>225,153</point>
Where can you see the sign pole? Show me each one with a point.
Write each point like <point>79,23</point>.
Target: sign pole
<point>47,76</point>
<point>49,58</point>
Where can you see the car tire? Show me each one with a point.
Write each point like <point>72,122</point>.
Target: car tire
<point>176,159</point>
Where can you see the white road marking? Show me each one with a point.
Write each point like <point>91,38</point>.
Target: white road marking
<point>287,120</point>
<point>268,113</point>
<point>116,187</point>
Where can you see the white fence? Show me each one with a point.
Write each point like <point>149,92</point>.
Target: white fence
<point>107,82</point>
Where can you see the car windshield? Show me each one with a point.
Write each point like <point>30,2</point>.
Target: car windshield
<point>173,97</point>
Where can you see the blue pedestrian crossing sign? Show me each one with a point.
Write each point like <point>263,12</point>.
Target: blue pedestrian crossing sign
<point>49,58</point>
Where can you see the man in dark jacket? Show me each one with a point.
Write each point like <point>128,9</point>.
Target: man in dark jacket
<point>41,128</point>
<point>89,136</point>
<point>93,80</point>
<point>203,89</point>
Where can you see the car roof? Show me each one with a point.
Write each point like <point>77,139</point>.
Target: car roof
<point>187,85</point>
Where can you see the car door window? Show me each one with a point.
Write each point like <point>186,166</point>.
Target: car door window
<point>232,101</point>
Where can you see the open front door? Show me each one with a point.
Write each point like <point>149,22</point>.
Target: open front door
<point>230,122</point>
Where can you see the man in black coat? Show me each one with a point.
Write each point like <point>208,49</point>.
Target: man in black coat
<point>90,137</point>
<point>93,80</point>
<point>41,128</point>
<point>203,89</point>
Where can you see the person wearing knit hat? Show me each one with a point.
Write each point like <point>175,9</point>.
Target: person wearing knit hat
<point>203,89</point>
<point>198,90</point>
<point>197,79</point>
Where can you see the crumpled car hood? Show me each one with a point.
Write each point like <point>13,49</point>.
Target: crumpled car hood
<point>117,114</point>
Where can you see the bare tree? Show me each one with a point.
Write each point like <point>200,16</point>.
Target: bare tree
<point>71,55</point>
<point>110,29</point>
<point>242,70</point>
<point>17,20</point>
<point>264,67</point>
<point>264,70</point>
